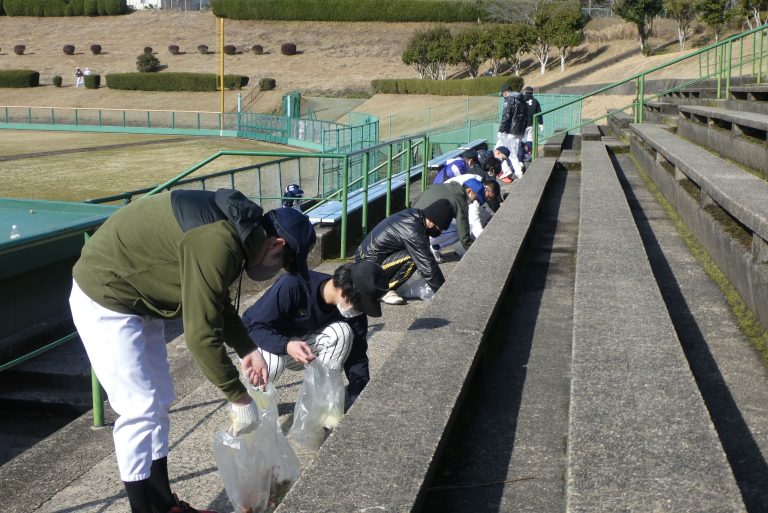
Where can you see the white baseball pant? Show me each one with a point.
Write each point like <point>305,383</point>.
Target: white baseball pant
<point>331,346</point>
<point>128,354</point>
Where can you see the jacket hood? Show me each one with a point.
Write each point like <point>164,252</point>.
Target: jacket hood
<point>243,213</point>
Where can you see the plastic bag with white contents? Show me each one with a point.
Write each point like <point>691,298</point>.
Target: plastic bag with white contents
<point>416,288</point>
<point>320,405</point>
<point>257,468</point>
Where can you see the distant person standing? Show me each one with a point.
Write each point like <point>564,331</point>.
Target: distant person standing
<point>532,107</point>
<point>512,126</point>
<point>79,80</point>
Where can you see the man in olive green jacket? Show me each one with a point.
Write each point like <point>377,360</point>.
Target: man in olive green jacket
<point>459,195</point>
<point>164,256</point>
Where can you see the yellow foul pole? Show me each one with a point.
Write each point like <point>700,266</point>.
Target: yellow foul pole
<point>221,63</point>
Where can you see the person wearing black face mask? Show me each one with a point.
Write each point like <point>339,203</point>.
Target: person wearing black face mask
<point>400,244</point>
<point>323,317</point>
<point>460,195</point>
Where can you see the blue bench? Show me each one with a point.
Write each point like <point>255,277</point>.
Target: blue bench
<point>438,162</point>
<point>330,211</point>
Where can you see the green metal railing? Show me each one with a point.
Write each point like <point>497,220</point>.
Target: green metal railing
<point>716,62</point>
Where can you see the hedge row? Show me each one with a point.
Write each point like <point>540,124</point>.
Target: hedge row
<point>469,87</point>
<point>173,81</point>
<point>349,10</point>
<point>63,7</point>
<point>19,78</point>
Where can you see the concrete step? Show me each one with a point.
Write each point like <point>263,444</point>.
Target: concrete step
<point>730,375</point>
<point>738,135</point>
<point>513,422</point>
<point>636,415</point>
<point>570,160</point>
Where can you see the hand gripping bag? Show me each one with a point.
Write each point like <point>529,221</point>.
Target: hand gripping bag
<point>257,468</point>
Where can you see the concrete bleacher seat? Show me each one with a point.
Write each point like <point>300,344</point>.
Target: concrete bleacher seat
<point>380,457</point>
<point>709,180</point>
<point>640,436</point>
<point>737,135</point>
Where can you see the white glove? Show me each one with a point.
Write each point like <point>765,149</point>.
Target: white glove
<point>499,135</point>
<point>245,418</point>
<point>541,129</point>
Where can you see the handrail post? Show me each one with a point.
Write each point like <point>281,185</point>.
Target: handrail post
<point>344,194</point>
<point>408,174</point>
<point>754,51</point>
<point>123,118</point>
<point>642,99</point>
<point>425,163</point>
<point>364,220</point>
<point>389,180</point>
<point>99,117</point>
<point>75,116</point>
<point>535,148</point>
<point>98,401</point>
<point>149,122</point>
<point>741,57</point>
<point>719,50</point>
<point>730,68</point>
<point>760,66</point>
<point>53,117</point>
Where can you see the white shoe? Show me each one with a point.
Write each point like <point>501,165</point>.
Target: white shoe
<point>438,256</point>
<point>392,298</point>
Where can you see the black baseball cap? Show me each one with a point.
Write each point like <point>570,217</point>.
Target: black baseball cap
<point>298,233</point>
<point>368,279</point>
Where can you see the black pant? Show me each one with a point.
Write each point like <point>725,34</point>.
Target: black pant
<point>398,267</point>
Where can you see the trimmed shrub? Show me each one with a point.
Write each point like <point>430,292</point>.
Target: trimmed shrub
<point>467,87</point>
<point>257,49</point>
<point>267,84</point>
<point>349,10</point>
<point>69,49</point>
<point>57,80</point>
<point>90,8</point>
<point>230,49</point>
<point>19,49</point>
<point>19,78</point>
<point>203,49</point>
<point>174,49</point>
<point>92,81</point>
<point>95,49</point>
<point>288,49</point>
<point>173,81</point>
<point>148,49</point>
<point>147,63</point>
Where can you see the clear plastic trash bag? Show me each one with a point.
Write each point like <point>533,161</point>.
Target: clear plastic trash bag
<point>416,288</point>
<point>320,405</point>
<point>257,468</point>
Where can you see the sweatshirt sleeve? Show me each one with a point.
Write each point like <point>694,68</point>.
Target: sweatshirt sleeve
<point>263,318</point>
<point>209,259</point>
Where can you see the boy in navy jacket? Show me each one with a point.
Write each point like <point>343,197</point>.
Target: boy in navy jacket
<point>324,317</point>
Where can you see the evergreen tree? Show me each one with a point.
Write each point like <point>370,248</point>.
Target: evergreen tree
<point>470,48</point>
<point>683,12</point>
<point>641,13</point>
<point>715,14</point>
<point>567,28</point>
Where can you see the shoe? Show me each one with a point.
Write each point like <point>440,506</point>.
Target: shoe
<point>183,507</point>
<point>392,298</point>
<point>437,255</point>
<point>507,179</point>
